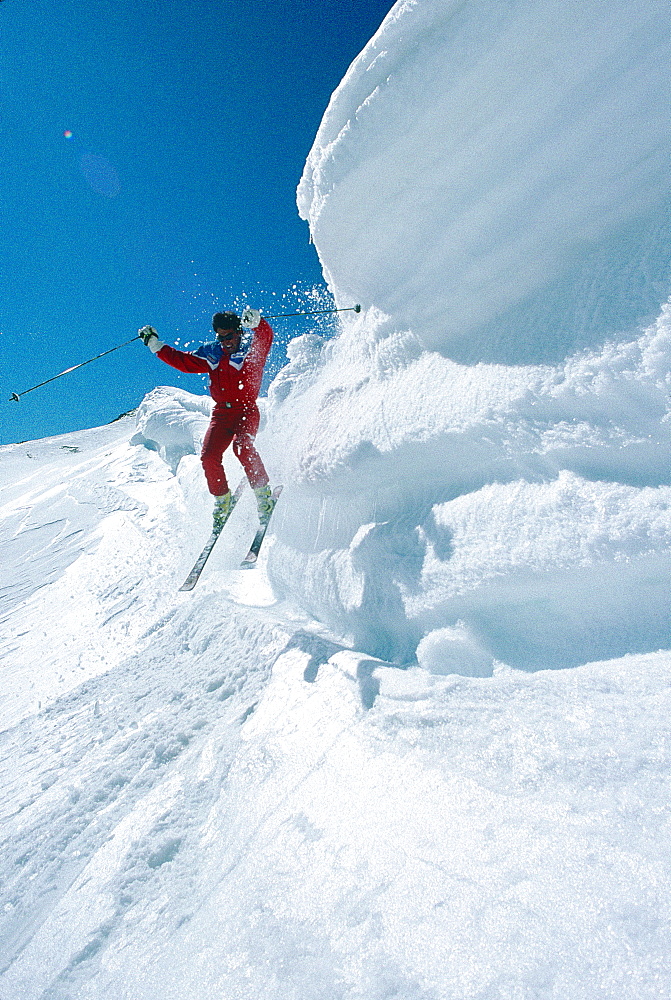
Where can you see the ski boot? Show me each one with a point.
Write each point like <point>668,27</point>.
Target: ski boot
<point>264,501</point>
<point>222,508</point>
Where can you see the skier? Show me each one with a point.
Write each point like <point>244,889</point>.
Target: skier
<point>235,371</point>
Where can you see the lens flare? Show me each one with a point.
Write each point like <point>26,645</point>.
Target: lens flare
<point>100,175</point>
<point>67,133</point>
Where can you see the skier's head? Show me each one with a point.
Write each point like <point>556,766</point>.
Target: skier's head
<point>228,329</point>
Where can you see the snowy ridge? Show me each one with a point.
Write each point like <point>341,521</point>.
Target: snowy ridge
<point>171,422</point>
<point>494,176</point>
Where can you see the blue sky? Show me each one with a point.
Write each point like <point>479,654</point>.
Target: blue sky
<point>173,195</point>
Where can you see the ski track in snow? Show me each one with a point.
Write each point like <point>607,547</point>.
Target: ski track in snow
<point>110,678</point>
<point>100,758</point>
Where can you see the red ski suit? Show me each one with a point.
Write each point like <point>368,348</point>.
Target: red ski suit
<point>235,382</point>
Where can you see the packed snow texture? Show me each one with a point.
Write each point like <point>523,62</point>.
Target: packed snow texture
<point>365,770</point>
<point>527,506</point>
<point>495,175</point>
<point>209,795</point>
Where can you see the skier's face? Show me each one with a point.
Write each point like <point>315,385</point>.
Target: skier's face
<point>229,340</point>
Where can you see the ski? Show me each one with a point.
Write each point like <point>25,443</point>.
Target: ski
<point>194,575</point>
<point>249,562</point>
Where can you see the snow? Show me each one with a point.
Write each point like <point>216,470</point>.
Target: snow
<point>424,494</point>
<point>423,750</point>
<point>494,175</point>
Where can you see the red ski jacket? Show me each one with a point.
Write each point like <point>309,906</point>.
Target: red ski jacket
<point>234,378</point>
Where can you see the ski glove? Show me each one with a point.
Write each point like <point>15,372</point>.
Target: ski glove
<point>150,337</point>
<point>250,317</point>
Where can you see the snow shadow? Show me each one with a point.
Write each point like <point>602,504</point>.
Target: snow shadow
<point>567,618</point>
<point>369,686</point>
<point>319,650</point>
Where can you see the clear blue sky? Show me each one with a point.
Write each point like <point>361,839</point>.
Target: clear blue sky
<point>174,194</point>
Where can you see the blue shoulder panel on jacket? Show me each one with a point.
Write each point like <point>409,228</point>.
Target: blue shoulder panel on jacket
<point>213,353</point>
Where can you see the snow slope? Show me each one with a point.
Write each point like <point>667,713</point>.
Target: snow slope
<point>209,795</point>
<point>423,750</point>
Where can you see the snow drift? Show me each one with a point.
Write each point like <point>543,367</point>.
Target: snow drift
<point>528,505</point>
<point>490,181</point>
<point>495,177</point>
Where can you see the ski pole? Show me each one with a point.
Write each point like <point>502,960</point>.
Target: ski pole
<point>314,312</point>
<point>16,396</point>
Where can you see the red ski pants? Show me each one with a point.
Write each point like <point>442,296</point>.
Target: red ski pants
<point>238,425</point>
